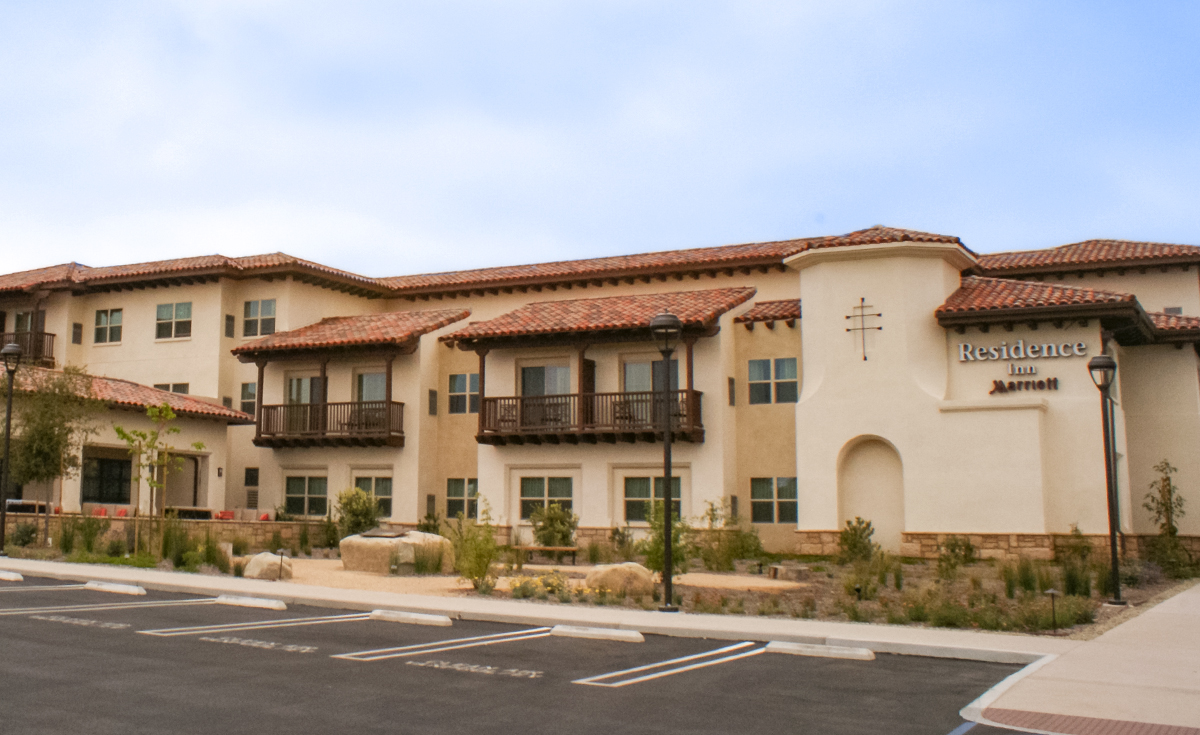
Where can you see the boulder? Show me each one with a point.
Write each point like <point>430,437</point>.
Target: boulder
<point>634,579</point>
<point>378,553</point>
<point>267,566</point>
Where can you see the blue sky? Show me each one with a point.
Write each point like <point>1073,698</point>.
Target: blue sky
<point>405,137</point>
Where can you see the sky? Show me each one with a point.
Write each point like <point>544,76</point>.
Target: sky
<point>392,138</point>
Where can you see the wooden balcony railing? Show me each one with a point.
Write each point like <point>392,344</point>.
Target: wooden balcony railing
<point>36,347</point>
<point>590,417</point>
<point>361,423</point>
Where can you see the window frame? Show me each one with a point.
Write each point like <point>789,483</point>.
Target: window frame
<point>252,399</point>
<point>108,329</point>
<point>781,383</point>
<point>462,494</point>
<point>123,490</point>
<point>465,401</point>
<point>778,500</point>
<point>370,484</point>
<point>255,321</point>
<point>528,502</point>
<point>178,327</point>
<point>655,482</point>
<point>308,498</point>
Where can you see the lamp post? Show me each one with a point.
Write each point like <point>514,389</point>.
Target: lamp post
<point>12,358</point>
<point>1103,369</point>
<point>666,328</point>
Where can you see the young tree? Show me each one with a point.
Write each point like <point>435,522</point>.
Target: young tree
<point>1165,502</point>
<point>53,414</point>
<point>153,456</point>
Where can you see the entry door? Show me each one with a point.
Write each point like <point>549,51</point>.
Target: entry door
<point>587,387</point>
<point>301,413</point>
<point>645,408</point>
<point>538,385</point>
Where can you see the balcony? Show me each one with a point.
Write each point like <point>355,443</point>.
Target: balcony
<point>357,424</point>
<point>590,418</point>
<point>37,348</point>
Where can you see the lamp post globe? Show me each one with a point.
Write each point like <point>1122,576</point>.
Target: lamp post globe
<point>666,329</point>
<point>11,353</point>
<point>1103,369</point>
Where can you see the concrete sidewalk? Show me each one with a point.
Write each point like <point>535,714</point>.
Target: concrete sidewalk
<point>1142,674</point>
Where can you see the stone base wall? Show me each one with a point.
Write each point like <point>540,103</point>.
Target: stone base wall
<point>815,543</point>
<point>1011,547</point>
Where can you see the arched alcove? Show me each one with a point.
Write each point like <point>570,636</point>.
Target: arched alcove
<point>871,486</point>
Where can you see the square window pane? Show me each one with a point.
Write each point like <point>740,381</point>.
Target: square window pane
<point>472,509</point>
<point>637,510</point>
<point>762,512</point>
<point>455,488</point>
<point>294,504</point>
<point>786,392</point>
<point>762,488</point>
<point>317,485</point>
<point>760,370</point>
<point>785,488</point>
<point>248,391</point>
<point>385,505</point>
<point>316,506</point>
<point>458,383</point>
<point>760,393</point>
<point>183,329</point>
<point>564,504</point>
<point>560,487</point>
<point>101,318</point>
<point>364,483</point>
<point>184,310</point>
<point>250,328</point>
<point>114,317</point>
<point>251,310</point>
<point>162,330</point>
<point>383,487</point>
<point>268,307</point>
<point>458,404</point>
<point>454,507</point>
<point>676,487</point>
<point>637,487</point>
<point>295,486</point>
<point>114,334</point>
<point>787,512</point>
<point>474,383</point>
<point>528,507</point>
<point>785,368</point>
<point>474,407</point>
<point>472,487</point>
<point>166,312</point>
<point>101,335</point>
<point>266,326</point>
<point>532,487</point>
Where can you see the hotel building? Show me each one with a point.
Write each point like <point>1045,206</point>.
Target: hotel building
<point>889,374</point>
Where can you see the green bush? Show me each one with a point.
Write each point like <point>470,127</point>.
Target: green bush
<point>554,526</point>
<point>898,576</point>
<point>358,511</point>
<point>475,550</point>
<point>955,552</point>
<point>239,569</point>
<point>1168,553</point>
<point>24,534</point>
<point>724,540</point>
<point>949,614</point>
<point>431,523</point>
<point>176,542</point>
<point>1076,580</point>
<point>329,533</point>
<point>1026,575</point>
<point>427,559</point>
<point>854,541</point>
<point>90,529</point>
<point>1009,573</point>
<point>276,541</point>
<point>623,543</point>
<point>214,555</point>
<point>305,546</point>
<point>116,547</point>
<point>240,546</point>
<point>66,535</point>
<point>652,545</point>
<point>192,560</point>
<point>1073,548</point>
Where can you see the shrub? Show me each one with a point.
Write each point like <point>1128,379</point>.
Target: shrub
<point>1076,580</point>
<point>66,535</point>
<point>523,587</point>
<point>1009,573</point>
<point>949,614</point>
<point>854,541</point>
<point>116,547</point>
<point>1164,501</point>
<point>329,533</point>
<point>192,560</point>
<point>1168,553</point>
<point>276,541</point>
<point>1073,548</point>
<point>1104,585</point>
<point>594,552</point>
<point>24,534</point>
<point>239,569</point>
<point>90,529</point>
<point>358,511</point>
<point>553,525</point>
<point>475,549</point>
<point>240,546</point>
<point>214,555</point>
<point>305,546</point>
<point>954,552</point>
<point>898,576</point>
<point>1026,575</point>
<point>1045,579</point>
<point>724,540</point>
<point>176,542</point>
<point>622,539</point>
<point>282,516</point>
<point>652,546</point>
<point>431,523</point>
<point>427,559</point>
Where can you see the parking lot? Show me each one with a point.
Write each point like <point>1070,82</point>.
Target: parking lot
<point>86,661</point>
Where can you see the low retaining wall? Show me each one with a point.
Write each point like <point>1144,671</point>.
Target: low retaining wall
<point>1010,547</point>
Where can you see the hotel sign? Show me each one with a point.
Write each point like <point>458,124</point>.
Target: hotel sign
<point>1020,351</point>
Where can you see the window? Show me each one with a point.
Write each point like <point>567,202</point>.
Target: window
<point>251,483</point>
<point>432,402</point>
<point>251,477</point>
<point>230,326</point>
<point>1174,310</point>
<point>462,497</point>
<point>545,380</point>
<point>173,321</point>
<point>370,386</point>
<point>181,388</point>
<point>381,488</point>
<point>464,393</point>
<point>639,377</point>
<point>259,318</point>
<point>637,497</point>
<point>31,321</point>
<point>249,394</point>
<point>106,480</point>
<point>732,392</point>
<point>773,500</point>
<point>539,492</point>
<point>76,333</point>
<point>227,401</point>
<point>785,385</point>
<point>108,326</point>
<point>306,496</point>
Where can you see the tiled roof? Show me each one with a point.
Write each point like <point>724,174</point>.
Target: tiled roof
<point>1088,253</point>
<point>978,294</point>
<point>391,328</point>
<point>1174,322</point>
<point>878,235</point>
<point>125,393</point>
<point>694,309</point>
<point>770,311</point>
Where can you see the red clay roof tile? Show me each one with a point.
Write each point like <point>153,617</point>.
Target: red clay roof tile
<point>770,311</point>
<point>1174,322</point>
<point>1087,253</point>
<point>979,294</point>
<point>391,328</point>
<point>125,393</point>
<point>694,308</point>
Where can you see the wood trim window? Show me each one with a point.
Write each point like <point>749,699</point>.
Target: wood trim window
<point>173,321</point>
<point>108,326</point>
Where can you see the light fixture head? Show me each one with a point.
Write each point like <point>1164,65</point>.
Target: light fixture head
<point>666,328</point>
<point>1102,368</point>
<point>12,356</point>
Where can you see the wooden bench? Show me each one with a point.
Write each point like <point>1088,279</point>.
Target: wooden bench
<point>548,550</point>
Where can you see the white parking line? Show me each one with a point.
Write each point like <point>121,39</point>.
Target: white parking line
<point>599,681</point>
<point>258,625</point>
<point>104,606</point>
<point>418,649</point>
<point>42,588</point>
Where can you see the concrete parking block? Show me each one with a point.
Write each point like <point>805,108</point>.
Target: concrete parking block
<point>120,589</point>
<point>11,577</point>
<point>260,602</point>
<point>603,634</point>
<point>398,616</point>
<point>808,649</point>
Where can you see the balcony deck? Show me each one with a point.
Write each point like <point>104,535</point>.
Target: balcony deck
<point>37,348</point>
<point>590,418</point>
<point>355,424</point>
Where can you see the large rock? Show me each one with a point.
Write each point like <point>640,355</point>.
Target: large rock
<point>378,553</point>
<point>267,566</point>
<point>634,579</point>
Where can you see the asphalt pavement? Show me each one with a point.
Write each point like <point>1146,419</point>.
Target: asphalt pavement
<point>82,661</point>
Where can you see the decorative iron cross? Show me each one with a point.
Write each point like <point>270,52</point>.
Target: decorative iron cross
<point>860,313</point>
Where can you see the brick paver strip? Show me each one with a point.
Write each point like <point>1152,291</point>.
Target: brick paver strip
<point>1073,725</point>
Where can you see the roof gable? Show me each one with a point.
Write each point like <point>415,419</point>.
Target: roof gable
<point>1090,253</point>
<point>394,328</point>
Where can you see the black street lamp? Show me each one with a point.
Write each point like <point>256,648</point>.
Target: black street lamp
<point>666,328</point>
<point>1104,369</point>
<point>12,358</point>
